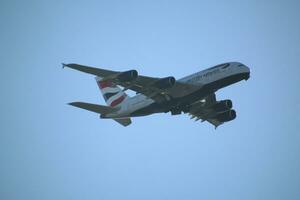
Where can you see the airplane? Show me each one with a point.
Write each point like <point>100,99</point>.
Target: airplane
<point>193,94</point>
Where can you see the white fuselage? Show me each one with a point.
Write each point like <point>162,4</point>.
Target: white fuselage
<point>219,74</point>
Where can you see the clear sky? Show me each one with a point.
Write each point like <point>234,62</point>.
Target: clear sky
<point>49,150</point>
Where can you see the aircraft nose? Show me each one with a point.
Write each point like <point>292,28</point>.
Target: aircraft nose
<point>246,71</point>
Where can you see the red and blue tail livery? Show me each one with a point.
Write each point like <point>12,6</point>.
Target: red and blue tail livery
<point>112,94</point>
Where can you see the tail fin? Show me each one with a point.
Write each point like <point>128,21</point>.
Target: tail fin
<point>113,95</point>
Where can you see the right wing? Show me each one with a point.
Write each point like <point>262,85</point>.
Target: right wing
<point>142,84</point>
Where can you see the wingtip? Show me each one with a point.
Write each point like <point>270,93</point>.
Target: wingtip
<point>72,103</point>
<point>63,65</point>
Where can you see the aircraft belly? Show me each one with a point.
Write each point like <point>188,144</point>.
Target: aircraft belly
<point>211,87</point>
<point>148,110</point>
<point>204,91</point>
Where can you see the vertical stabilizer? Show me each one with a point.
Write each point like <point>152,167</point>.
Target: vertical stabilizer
<point>113,95</point>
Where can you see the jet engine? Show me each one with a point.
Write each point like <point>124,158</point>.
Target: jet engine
<point>226,116</point>
<point>127,76</point>
<point>165,83</point>
<point>222,105</point>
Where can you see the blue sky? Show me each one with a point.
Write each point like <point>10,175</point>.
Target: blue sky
<point>49,150</point>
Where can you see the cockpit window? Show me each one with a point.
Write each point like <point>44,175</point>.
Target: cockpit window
<point>225,65</point>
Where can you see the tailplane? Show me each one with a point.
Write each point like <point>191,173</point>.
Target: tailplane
<point>124,121</point>
<point>102,110</point>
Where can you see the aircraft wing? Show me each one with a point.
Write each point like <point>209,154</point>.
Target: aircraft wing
<point>204,111</point>
<point>142,84</point>
<point>146,86</point>
<point>91,70</point>
<point>94,107</point>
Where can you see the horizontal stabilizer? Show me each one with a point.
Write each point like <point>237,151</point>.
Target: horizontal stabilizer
<point>101,110</point>
<point>124,121</point>
<point>94,107</point>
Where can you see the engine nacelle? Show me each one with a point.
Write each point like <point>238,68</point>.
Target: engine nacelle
<point>226,116</point>
<point>127,76</point>
<point>223,105</point>
<point>165,83</point>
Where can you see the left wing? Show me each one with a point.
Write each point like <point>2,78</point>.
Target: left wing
<point>149,86</point>
<point>213,111</point>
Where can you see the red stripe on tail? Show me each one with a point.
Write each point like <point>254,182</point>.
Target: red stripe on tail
<point>117,101</point>
<point>104,84</point>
